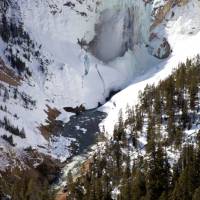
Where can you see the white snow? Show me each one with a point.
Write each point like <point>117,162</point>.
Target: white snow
<point>59,145</point>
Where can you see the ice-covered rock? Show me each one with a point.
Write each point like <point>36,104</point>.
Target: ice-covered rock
<point>114,34</point>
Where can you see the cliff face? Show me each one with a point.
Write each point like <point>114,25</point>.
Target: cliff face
<point>121,25</point>
<point>114,34</point>
<point>160,12</point>
<point>124,24</point>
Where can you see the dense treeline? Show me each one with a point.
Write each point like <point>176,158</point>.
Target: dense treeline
<point>155,153</point>
<point>23,186</point>
<point>28,182</point>
<point>20,49</point>
<point>10,31</point>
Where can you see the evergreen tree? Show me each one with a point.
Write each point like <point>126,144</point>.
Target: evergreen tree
<point>138,185</point>
<point>158,175</point>
<point>196,194</point>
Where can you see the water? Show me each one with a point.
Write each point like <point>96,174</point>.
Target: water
<point>85,128</point>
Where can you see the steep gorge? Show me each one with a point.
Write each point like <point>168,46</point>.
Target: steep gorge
<point>69,54</point>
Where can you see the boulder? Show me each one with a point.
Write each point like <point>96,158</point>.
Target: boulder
<point>163,50</point>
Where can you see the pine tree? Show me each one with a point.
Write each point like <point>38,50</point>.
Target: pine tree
<point>126,180</point>
<point>196,194</point>
<point>186,183</point>
<point>151,134</point>
<point>70,185</point>
<point>158,174</point>
<point>5,30</point>
<point>138,185</point>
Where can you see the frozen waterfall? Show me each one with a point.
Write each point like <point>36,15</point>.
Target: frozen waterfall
<point>121,25</point>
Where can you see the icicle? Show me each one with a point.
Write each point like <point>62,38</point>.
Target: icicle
<point>101,78</point>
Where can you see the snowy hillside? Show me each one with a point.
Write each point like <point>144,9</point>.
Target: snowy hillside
<point>183,26</point>
<point>154,152</point>
<point>67,53</point>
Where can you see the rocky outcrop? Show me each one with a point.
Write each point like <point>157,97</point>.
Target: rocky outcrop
<point>160,47</point>
<point>77,110</point>
<point>181,2</point>
<point>159,13</point>
<point>163,50</point>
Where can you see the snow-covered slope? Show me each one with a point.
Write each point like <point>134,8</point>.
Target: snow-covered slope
<point>183,33</point>
<point>64,38</point>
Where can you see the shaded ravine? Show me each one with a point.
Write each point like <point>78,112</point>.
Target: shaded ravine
<point>85,128</point>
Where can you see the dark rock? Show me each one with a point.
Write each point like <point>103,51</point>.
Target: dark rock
<point>163,51</point>
<point>77,110</point>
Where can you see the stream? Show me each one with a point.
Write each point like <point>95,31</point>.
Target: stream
<point>85,128</point>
